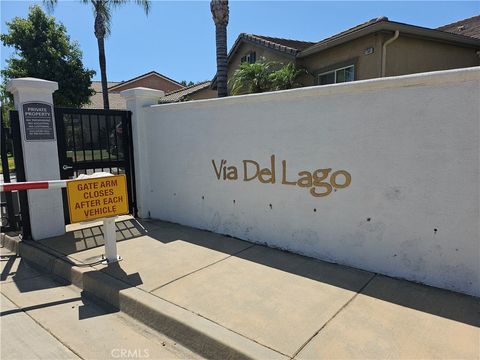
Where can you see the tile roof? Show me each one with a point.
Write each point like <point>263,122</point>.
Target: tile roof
<point>384,24</point>
<point>141,76</point>
<point>467,27</point>
<point>96,100</point>
<point>464,31</point>
<point>290,46</point>
<point>117,102</point>
<point>352,29</point>
<point>285,45</point>
<point>181,94</point>
<point>97,85</point>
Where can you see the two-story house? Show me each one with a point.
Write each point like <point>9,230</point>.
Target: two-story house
<point>376,48</point>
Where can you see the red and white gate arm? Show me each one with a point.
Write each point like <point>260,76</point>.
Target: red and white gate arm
<point>33,185</point>
<point>108,223</point>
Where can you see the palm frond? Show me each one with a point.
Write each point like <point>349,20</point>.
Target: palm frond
<point>251,78</point>
<point>102,8</point>
<point>286,77</point>
<point>220,12</point>
<point>50,5</point>
<point>145,4</point>
<point>264,76</point>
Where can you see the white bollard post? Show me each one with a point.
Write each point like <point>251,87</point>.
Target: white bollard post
<point>110,240</point>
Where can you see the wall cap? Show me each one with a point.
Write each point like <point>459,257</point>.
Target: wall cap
<point>354,87</point>
<point>31,84</point>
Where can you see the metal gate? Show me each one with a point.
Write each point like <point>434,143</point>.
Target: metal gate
<point>14,205</point>
<point>93,140</point>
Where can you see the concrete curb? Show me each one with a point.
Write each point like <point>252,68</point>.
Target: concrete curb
<point>191,330</point>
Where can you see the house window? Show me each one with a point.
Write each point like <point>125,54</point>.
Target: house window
<point>250,58</point>
<point>341,75</point>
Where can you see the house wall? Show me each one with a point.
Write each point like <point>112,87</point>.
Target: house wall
<point>409,145</point>
<point>152,82</point>
<point>366,66</point>
<point>206,93</point>
<point>408,55</point>
<point>261,51</point>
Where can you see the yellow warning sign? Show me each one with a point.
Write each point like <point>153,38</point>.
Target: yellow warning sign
<point>90,199</point>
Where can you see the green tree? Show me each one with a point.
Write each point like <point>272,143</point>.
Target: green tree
<point>264,76</point>
<point>102,10</point>
<point>251,78</point>
<point>44,50</point>
<point>185,83</point>
<point>286,77</point>
<point>220,13</point>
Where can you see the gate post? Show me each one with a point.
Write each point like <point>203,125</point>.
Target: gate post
<point>137,99</point>
<point>34,101</point>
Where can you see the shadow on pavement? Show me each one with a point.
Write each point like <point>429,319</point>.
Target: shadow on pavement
<point>17,272</point>
<point>93,308</point>
<point>90,306</point>
<point>39,306</point>
<point>443,303</point>
<point>435,301</point>
<point>92,237</point>
<point>88,309</point>
<point>116,271</point>
<point>8,260</point>
<point>109,281</point>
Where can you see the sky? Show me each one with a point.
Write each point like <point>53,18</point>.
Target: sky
<point>177,38</point>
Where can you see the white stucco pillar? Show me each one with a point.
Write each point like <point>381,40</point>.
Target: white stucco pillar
<point>34,102</point>
<point>137,100</point>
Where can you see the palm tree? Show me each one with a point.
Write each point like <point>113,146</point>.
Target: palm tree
<point>251,78</point>
<point>102,10</point>
<point>264,76</point>
<point>286,77</point>
<point>220,11</point>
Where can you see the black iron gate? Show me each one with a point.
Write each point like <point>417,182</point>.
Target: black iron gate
<point>94,140</point>
<point>14,205</point>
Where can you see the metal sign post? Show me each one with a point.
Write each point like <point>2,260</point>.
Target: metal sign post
<point>100,196</point>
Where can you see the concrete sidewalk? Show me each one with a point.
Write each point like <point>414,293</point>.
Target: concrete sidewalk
<point>265,303</point>
<point>43,318</point>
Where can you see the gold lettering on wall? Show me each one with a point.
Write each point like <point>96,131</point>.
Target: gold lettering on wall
<point>232,173</point>
<point>348,179</point>
<point>245,172</point>
<point>284,175</point>
<point>266,175</point>
<point>320,182</point>
<point>218,171</point>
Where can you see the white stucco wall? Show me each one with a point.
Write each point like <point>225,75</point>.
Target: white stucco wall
<point>410,143</point>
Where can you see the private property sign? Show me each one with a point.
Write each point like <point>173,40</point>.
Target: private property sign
<point>38,120</point>
<point>94,198</point>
